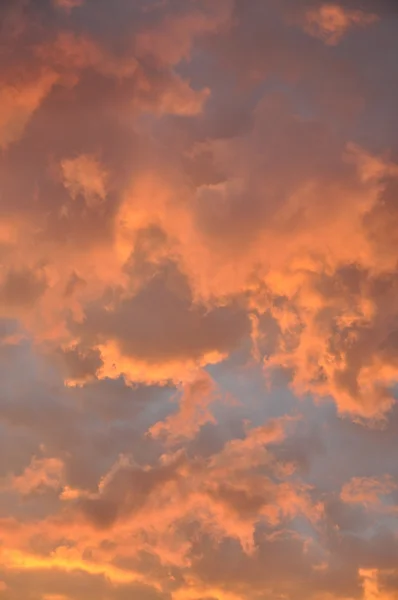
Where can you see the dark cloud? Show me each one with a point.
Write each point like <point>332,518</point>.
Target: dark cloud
<point>80,364</point>
<point>161,322</point>
<point>126,493</point>
<point>21,288</point>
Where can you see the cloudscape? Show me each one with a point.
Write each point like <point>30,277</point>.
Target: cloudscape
<point>198,300</point>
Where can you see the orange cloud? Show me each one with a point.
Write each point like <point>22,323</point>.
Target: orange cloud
<point>367,491</point>
<point>18,102</point>
<point>330,22</point>
<point>67,561</point>
<point>198,202</point>
<point>68,4</point>
<point>83,175</point>
<point>41,474</point>
<point>193,412</point>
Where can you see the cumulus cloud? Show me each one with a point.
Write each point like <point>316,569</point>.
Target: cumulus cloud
<point>83,175</point>
<point>198,299</point>
<point>330,22</point>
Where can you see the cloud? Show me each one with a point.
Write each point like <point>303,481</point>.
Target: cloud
<point>22,288</point>
<point>193,411</point>
<point>18,103</point>
<point>41,474</point>
<point>83,175</point>
<point>68,4</point>
<point>79,364</point>
<point>367,492</point>
<point>161,325</point>
<point>330,22</point>
<point>198,292</point>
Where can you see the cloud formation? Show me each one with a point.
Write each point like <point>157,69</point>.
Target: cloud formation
<point>198,300</point>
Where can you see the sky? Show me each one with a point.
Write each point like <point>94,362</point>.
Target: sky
<point>198,300</point>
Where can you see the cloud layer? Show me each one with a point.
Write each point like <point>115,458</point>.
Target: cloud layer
<point>198,300</point>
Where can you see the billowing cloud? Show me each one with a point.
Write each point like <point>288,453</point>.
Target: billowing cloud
<point>198,300</point>
<point>330,22</point>
<point>193,413</point>
<point>83,175</point>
